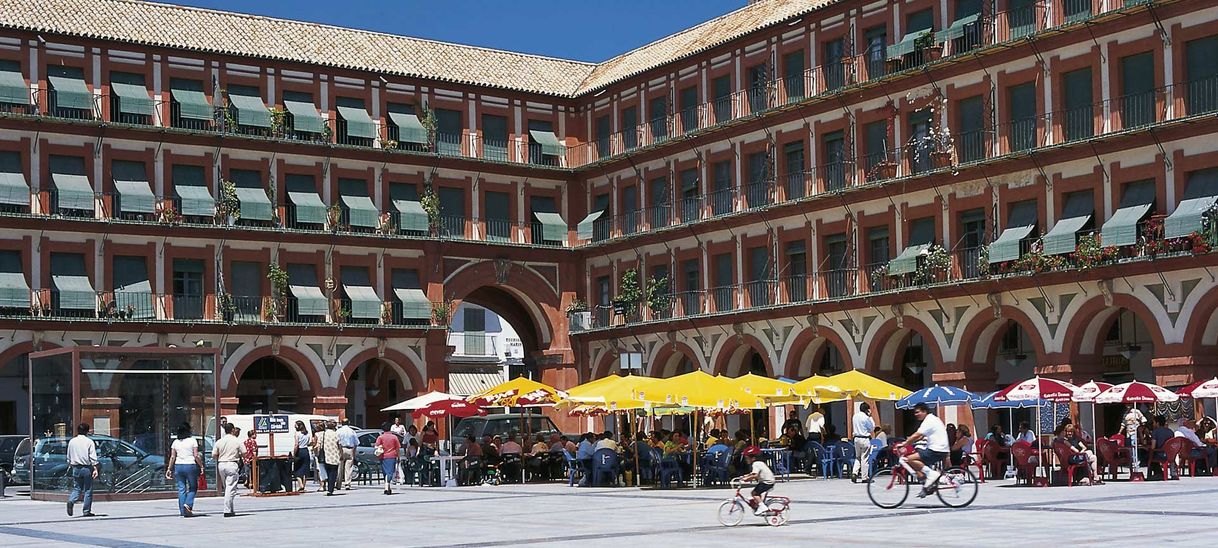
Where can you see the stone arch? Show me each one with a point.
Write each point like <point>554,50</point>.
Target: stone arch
<point>981,335</point>
<point>530,291</point>
<point>407,369</point>
<point>1089,322</point>
<point>728,359</point>
<point>1201,327</point>
<point>603,365</point>
<point>809,346</point>
<point>294,359</point>
<point>22,347</point>
<point>889,338</point>
<point>667,358</point>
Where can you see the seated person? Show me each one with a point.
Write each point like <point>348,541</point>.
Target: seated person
<point>471,465</point>
<point>539,457</point>
<point>510,453</point>
<point>583,454</point>
<point>713,437</point>
<point>490,451</point>
<point>997,436</point>
<point>1199,449</point>
<point>1026,434</point>
<point>606,442</point>
<point>962,446</point>
<point>1079,454</point>
<point>798,446</point>
<point>1159,438</point>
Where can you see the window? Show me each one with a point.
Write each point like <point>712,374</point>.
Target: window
<point>920,140</point>
<point>760,185</point>
<point>1076,10</point>
<point>498,216</point>
<point>876,39</point>
<point>661,203</point>
<point>187,289</point>
<point>1137,90</point>
<point>837,263</point>
<point>73,194</point>
<point>1015,239</point>
<point>494,137</point>
<point>548,227</point>
<point>302,120</point>
<point>964,33</point>
<point>793,159</point>
<point>1021,17</point>
<point>721,98</point>
<point>129,100</point>
<point>759,93</point>
<point>691,273</point>
<point>793,76</point>
<point>834,175</point>
<point>14,92</point>
<point>722,200</point>
<point>630,209</point>
<point>760,272</point>
<point>603,224</point>
<point>410,304</point>
<point>1021,127</point>
<point>664,292</point>
<point>69,96</point>
<point>919,21</point>
<point>448,131</point>
<point>691,195</point>
<point>1080,112</point>
<point>1201,69</point>
<point>452,211</point>
<point>133,199</point>
<point>876,135</point>
<point>687,102</point>
<point>604,297</point>
<point>630,127</point>
<point>970,131</point>
<point>247,109</point>
<point>972,238</point>
<point>604,133</point>
<point>797,270</point>
<point>724,279</point>
<point>544,146</point>
<point>251,194</point>
<point>835,73</point>
<point>194,200</point>
<point>474,324</point>
<point>189,108</point>
<point>657,109</point>
<point>132,289</point>
<point>877,246</point>
<point>14,289</point>
<point>245,287</point>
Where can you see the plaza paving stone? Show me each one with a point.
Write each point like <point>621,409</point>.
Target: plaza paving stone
<point>823,513</point>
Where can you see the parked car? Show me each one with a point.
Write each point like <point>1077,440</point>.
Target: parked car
<point>502,425</point>
<point>366,460</point>
<point>123,466</point>
<point>8,448</point>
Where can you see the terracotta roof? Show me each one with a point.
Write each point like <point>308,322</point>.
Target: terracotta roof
<point>171,26</point>
<point>725,28</point>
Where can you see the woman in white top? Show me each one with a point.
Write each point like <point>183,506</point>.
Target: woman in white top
<point>187,464</point>
<point>963,445</point>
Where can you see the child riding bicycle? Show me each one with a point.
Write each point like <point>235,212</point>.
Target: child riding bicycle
<point>762,474</point>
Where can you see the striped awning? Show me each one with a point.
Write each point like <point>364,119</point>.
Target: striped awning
<point>468,384</point>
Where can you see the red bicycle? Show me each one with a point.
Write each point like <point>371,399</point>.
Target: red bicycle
<point>888,488</point>
<point>732,511</point>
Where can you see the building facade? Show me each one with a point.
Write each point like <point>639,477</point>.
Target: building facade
<point>963,191</point>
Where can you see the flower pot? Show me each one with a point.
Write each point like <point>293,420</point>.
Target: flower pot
<point>886,170</point>
<point>941,158</point>
<point>932,53</point>
<point>230,220</point>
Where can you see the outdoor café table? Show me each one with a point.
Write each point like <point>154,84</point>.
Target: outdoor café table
<point>448,465</point>
<point>775,455</point>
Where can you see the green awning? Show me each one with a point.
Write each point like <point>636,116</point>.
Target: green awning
<point>1187,217</point>
<point>254,204</point>
<point>1063,237</point>
<point>415,305</point>
<point>1122,228</point>
<point>75,292</point>
<point>133,99</point>
<point>196,200</point>
<point>365,304</point>
<point>73,191</point>
<point>550,146</point>
<point>907,261</point>
<point>905,46</point>
<point>957,29</point>
<point>410,129</point>
<point>71,93</point>
<point>13,189</point>
<point>251,111</point>
<point>136,196</point>
<point>305,117</point>
<point>553,227</point>
<point>1006,247</point>
<point>309,207</point>
<point>411,215</point>
<point>137,296</point>
<point>359,124</point>
<point>584,230</point>
<point>309,300</point>
<point>14,292</point>
<point>361,211</point>
<point>13,89</point>
<point>192,105</point>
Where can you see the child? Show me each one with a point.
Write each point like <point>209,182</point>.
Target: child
<point>762,474</point>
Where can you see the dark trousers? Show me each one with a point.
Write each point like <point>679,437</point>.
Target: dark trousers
<point>331,476</point>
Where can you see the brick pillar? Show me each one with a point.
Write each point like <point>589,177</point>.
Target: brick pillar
<point>1183,369</point>
<point>330,405</point>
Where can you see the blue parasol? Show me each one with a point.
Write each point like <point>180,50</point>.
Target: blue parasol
<point>937,395</point>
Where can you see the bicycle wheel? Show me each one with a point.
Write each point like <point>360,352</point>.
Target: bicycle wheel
<point>731,512</point>
<point>957,487</point>
<point>888,490</point>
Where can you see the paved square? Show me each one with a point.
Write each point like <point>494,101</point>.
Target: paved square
<point>832,512</point>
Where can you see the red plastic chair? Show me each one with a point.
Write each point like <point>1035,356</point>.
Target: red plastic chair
<point>1166,462</point>
<point>978,457</point>
<point>1023,453</point>
<point>1186,457</point>
<point>996,457</point>
<point>1177,450</point>
<point>1063,452</point>
<point>1112,456</point>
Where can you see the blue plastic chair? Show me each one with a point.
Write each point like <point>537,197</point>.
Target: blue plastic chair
<point>846,455</point>
<point>716,466</point>
<point>669,469</point>
<point>605,464</point>
<point>873,457</point>
<point>572,468</point>
<point>823,456</point>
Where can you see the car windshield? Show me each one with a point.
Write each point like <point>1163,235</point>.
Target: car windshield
<point>53,447</point>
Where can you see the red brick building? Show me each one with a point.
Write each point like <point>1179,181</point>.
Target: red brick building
<point>963,191</point>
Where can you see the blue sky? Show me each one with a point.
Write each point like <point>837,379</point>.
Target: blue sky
<point>586,30</point>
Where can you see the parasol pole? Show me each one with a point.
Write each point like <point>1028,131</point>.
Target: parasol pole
<point>693,450</point>
<point>634,442</point>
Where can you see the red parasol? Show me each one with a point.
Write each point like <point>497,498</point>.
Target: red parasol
<point>449,408</point>
<point>1038,388</point>
<point>1136,392</point>
<point>1201,389</point>
<point>1088,392</point>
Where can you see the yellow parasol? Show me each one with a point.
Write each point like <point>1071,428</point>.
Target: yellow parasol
<point>858,383</point>
<point>518,392</point>
<point>618,393</point>
<point>590,391</point>
<point>763,387</point>
<point>814,389</point>
<point>696,389</point>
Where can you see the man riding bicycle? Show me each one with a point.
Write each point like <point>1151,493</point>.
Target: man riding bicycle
<point>934,434</point>
<point>762,474</point>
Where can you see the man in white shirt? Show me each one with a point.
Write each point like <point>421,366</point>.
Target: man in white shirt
<point>227,452</point>
<point>934,432</point>
<point>861,435</point>
<point>347,440</point>
<point>606,442</point>
<point>82,465</point>
<point>816,425</point>
<point>1199,449</point>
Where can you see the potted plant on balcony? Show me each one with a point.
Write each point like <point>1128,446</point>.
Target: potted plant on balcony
<point>342,313</point>
<point>941,146</point>
<point>934,264</point>
<point>659,299</point>
<point>334,215</point>
<point>431,205</point>
<point>279,290</point>
<point>227,306</point>
<point>1091,253</point>
<point>630,295</point>
<point>931,49</point>
<point>885,169</point>
<point>427,118</point>
<point>228,206</point>
<point>579,318</point>
<point>441,312</point>
<point>278,123</point>
<point>167,214</point>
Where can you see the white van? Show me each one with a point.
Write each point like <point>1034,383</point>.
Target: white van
<point>284,442</point>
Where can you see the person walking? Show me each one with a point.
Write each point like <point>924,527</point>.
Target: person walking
<point>227,453</point>
<point>387,447</point>
<point>328,452</point>
<point>1133,422</point>
<point>251,452</point>
<point>82,461</point>
<point>863,427</point>
<point>347,440</point>
<point>187,463</point>
<point>301,437</point>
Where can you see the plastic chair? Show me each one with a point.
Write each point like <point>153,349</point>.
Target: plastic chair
<point>1162,458</point>
<point>716,470</point>
<point>572,468</point>
<point>873,457</point>
<point>845,455</point>
<point>1186,457</point>
<point>822,456</point>
<point>669,468</point>
<point>782,463</point>
<point>605,464</point>
<point>977,457</point>
<point>1112,456</point>
<point>1064,453</point>
<point>1177,450</point>
<point>996,456</point>
<point>1023,453</point>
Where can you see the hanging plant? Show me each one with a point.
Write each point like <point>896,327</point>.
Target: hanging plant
<point>228,205</point>
<point>431,205</point>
